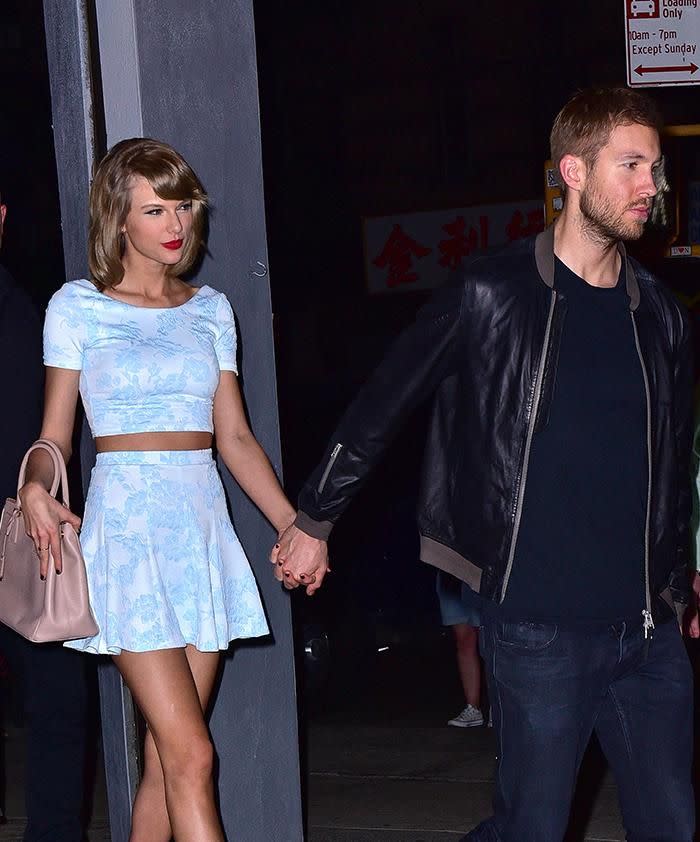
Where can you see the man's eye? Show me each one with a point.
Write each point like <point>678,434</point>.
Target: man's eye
<point>153,212</point>
<point>631,165</point>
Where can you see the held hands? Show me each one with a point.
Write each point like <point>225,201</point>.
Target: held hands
<point>43,516</point>
<point>300,559</point>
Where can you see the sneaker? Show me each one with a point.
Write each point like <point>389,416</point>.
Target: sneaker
<point>470,717</point>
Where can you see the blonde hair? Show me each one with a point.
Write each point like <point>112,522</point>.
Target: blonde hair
<point>170,176</point>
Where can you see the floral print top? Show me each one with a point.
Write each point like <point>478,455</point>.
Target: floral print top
<point>142,369</point>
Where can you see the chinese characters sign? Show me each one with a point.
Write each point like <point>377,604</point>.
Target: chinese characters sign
<point>419,250</point>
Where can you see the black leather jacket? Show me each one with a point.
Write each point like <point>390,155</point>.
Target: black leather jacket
<point>488,348</point>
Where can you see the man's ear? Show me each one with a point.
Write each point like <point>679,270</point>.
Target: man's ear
<point>3,213</point>
<point>572,170</point>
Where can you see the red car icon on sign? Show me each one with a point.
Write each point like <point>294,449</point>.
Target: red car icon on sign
<point>643,8</point>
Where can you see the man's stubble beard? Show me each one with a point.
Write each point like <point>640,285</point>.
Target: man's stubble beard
<point>602,223</point>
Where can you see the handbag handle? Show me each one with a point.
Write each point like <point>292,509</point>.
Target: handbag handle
<point>60,476</point>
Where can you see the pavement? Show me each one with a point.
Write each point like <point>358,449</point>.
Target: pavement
<point>382,765</point>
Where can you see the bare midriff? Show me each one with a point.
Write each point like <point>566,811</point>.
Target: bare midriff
<point>154,441</point>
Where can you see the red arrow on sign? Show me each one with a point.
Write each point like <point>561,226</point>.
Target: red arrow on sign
<point>684,68</point>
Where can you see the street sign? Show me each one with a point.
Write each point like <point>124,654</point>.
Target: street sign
<point>663,42</point>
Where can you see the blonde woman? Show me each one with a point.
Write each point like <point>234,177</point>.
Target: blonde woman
<point>154,361</point>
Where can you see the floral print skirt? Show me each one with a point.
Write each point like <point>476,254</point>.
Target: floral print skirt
<point>165,567</point>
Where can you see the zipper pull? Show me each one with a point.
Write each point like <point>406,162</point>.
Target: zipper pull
<point>648,624</point>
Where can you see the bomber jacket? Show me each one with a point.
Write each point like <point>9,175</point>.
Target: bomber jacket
<point>488,348</point>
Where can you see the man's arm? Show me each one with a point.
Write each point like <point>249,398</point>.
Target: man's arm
<point>415,365</point>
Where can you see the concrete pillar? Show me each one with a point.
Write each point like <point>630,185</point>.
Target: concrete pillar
<point>184,71</point>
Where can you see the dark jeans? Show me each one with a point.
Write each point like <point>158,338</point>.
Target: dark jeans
<point>551,688</point>
<point>54,699</point>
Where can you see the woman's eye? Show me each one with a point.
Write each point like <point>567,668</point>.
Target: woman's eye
<point>185,206</point>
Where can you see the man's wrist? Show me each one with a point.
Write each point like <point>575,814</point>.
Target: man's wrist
<point>320,529</point>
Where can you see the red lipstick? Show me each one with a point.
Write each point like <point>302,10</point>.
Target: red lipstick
<point>173,245</point>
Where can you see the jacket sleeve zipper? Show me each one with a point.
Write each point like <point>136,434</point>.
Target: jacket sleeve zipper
<point>329,467</point>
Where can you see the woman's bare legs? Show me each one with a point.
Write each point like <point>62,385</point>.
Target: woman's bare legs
<point>468,661</point>
<point>176,796</point>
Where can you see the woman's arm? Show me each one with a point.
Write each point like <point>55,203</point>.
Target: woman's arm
<point>244,457</point>
<point>43,515</point>
<point>249,465</point>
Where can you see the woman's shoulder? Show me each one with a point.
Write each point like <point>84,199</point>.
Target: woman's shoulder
<point>213,299</point>
<point>74,293</point>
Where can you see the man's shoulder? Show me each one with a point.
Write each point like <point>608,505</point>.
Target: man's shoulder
<point>12,293</point>
<point>502,265</point>
<point>7,282</point>
<point>670,310</point>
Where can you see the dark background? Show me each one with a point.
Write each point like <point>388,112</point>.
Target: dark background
<point>367,108</point>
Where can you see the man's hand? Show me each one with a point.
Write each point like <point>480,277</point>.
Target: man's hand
<point>692,619</point>
<point>300,559</point>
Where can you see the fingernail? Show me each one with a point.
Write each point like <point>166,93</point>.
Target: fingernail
<point>302,576</point>
<point>277,546</point>
<point>58,572</point>
<point>280,563</point>
<point>43,578</point>
<point>287,573</point>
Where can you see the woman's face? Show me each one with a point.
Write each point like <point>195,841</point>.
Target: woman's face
<point>155,230</point>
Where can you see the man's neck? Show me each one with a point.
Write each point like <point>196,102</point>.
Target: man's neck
<point>596,263</point>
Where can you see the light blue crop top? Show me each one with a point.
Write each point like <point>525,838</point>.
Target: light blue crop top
<point>141,369</point>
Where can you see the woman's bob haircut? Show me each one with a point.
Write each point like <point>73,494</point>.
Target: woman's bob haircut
<point>170,176</point>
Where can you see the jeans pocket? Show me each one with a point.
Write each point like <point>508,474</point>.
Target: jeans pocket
<point>526,636</point>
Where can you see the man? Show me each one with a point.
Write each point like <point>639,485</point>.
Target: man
<point>52,678</point>
<point>556,484</point>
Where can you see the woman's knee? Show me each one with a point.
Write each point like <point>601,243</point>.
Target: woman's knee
<point>190,760</point>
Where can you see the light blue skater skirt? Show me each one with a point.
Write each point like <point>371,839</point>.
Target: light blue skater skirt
<point>164,565</point>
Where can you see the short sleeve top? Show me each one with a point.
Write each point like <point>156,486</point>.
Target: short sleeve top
<point>142,369</point>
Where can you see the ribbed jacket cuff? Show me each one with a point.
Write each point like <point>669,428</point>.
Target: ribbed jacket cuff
<point>315,528</point>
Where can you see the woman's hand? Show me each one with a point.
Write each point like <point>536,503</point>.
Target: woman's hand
<point>43,516</point>
<point>300,559</point>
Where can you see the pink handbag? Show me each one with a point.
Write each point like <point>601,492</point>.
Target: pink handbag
<point>57,608</point>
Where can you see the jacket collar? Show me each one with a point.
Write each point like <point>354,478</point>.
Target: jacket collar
<point>544,258</point>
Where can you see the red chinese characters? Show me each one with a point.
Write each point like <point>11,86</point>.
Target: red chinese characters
<point>462,242</point>
<point>397,257</point>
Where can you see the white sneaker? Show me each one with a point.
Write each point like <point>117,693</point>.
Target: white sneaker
<point>470,717</point>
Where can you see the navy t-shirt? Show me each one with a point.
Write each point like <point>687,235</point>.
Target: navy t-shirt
<point>580,549</point>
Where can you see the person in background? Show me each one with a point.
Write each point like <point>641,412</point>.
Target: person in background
<point>457,611</point>
<point>52,679</point>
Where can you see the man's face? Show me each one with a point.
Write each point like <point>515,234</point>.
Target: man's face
<point>3,212</point>
<point>615,200</point>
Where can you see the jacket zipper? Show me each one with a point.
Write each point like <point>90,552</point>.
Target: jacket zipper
<point>528,444</point>
<point>329,466</point>
<point>647,619</point>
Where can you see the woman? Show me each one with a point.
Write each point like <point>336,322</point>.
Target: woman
<point>155,363</point>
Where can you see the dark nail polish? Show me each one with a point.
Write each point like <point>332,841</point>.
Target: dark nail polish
<point>58,572</point>
<point>43,578</point>
<point>277,546</point>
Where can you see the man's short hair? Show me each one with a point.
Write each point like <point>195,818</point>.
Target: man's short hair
<point>170,176</point>
<point>585,123</point>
